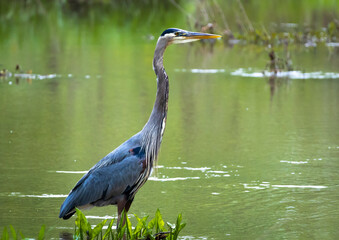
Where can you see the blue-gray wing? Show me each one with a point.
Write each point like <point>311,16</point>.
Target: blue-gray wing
<point>103,185</point>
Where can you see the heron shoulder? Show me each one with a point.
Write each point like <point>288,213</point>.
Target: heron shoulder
<point>120,153</point>
<point>116,156</point>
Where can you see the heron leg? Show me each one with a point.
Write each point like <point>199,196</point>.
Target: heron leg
<point>123,204</point>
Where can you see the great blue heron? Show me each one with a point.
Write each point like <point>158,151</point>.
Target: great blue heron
<point>116,178</point>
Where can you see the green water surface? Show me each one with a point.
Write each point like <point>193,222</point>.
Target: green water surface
<point>241,158</point>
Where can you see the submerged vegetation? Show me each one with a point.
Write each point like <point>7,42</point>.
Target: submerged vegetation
<point>248,21</point>
<point>155,229</point>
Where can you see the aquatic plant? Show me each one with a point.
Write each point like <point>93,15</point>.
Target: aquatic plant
<point>153,230</point>
<point>6,235</point>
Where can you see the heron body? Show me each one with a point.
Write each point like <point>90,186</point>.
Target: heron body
<point>116,178</point>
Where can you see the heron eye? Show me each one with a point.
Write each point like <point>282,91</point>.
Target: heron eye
<point>177,34</point>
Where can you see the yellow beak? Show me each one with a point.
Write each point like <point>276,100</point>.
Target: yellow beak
<point>197,35</point>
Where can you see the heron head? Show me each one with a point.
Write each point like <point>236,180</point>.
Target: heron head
<point>175,35</point>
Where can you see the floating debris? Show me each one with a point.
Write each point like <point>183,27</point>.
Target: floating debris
<point>36,76</point>
<point>4,73</point>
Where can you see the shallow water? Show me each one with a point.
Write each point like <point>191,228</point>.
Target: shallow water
<point>252,157</point>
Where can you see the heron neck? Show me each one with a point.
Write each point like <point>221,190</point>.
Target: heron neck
<point>159,112</point>
<point>154,128</point>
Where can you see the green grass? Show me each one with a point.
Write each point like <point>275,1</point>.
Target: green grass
<point>152,230</point>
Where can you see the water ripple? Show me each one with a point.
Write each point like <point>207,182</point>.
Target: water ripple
<point>286,74</point>
<point>294,162</point>
<point>275,186</point>
<point>16,194</point>
<point>207,173</point>
<point>72,172</point>
<point>171,179</point>
<point>298,186</point>
<point>202,169</point>
<point>197,70</point>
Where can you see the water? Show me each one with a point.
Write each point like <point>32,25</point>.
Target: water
<point>242,156</point>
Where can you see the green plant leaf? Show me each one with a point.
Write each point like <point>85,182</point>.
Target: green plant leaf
<point>98,228</point>
<point>5,234</point>
<point>123,225</point>
<point>82,225</point>
<point>159,222</point>
<point>108,230</point>
<point>129,227</point>
<point>178,227</point>
<point>89,231</point>
<point>21,235</point>
<point>13,232</point>
<point>141,225</point>
<point>121,231</point>
<point>151,223</point>
<point>42,232</point>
